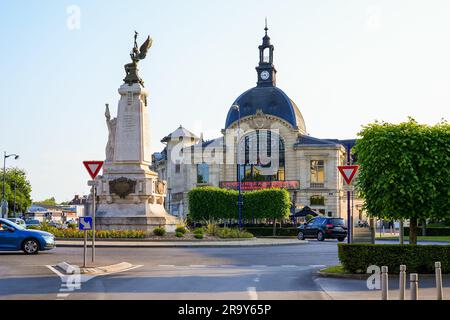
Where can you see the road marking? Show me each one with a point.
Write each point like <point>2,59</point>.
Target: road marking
<point>197,266</point>
<point>167,265</point>
<point>252,293</point>
<point>288,266</point>
<point>317,266</point>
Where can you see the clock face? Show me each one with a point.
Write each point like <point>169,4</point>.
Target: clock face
<point>265,75</point>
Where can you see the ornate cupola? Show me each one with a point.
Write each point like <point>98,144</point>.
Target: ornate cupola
<point>266,70</point>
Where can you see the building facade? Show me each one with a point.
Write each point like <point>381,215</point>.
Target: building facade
<point>266,144</point>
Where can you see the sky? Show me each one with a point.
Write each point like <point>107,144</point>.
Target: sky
<point>345,63</point>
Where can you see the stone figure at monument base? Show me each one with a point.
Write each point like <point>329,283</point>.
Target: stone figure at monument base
<point>129,195</point>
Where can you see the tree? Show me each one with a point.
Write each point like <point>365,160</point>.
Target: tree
<point>16,179</point>
<point>405,171</point>
<point>47,202</point>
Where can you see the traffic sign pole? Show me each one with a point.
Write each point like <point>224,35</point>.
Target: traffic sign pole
<point>85,249</point>
<point>93,223</point>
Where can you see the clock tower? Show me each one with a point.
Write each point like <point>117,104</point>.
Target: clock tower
<point>266,70</point>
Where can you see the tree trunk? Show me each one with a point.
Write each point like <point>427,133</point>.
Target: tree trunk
<point>402,233</point>
<point>413,231</point>
<point>274,227</point>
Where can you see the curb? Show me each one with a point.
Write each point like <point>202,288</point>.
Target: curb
<point>180,245</point>
<point>366,275</point>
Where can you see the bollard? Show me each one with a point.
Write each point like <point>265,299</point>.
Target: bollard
<point>440,294</point>
<point>414,286</point>
<point>384,283</point>
<point>402,284</point>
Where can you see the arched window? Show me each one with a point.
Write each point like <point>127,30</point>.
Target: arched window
<point>263,158</point>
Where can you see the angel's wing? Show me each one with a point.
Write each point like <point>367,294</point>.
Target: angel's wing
<point>144,48</point>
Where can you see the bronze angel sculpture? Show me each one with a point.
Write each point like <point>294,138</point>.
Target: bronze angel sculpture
<point>136,55</point>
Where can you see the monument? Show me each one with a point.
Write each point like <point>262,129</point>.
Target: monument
<point>130,196</point>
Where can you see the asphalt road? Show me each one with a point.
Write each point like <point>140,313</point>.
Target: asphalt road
<point>281,272</point>
<point>275,272</point>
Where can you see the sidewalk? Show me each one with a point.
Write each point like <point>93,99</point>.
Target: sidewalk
<point>256,242</point>
<point>353,289</point>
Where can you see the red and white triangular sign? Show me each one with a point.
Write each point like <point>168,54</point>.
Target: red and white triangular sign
<point>93,167</point>
<point>348,172</point>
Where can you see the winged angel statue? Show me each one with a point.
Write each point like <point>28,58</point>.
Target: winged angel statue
<point>137,54</point>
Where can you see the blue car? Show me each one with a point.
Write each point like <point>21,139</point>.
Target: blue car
<point>14,237</point>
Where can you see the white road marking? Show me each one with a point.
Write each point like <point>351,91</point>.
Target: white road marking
<point>288,266</point>
<point>317,266</point>
<point>197,266</point>
<point>252,293</point>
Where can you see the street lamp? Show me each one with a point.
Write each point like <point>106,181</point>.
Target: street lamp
<point>4,201</point>
<point>236,107</point>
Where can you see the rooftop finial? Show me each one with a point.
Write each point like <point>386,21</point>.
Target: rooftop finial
<point>266,27</point>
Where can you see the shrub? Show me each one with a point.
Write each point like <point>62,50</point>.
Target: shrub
<point>436,232</point>
<point>268,231</point>
<point>159,231</point>
<point>211,227</point>
<point>233,233</point>
<point>198,235</point>
<point>179,234</point>
<point>181,230</point>
<point>210,203</point>
<point>72,226</point>
<point>355,258</point>
<point>198,230</point>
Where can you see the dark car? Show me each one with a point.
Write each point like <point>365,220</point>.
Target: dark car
<point>14,237</point>
<point>323,228</point>
<point>32,223</point>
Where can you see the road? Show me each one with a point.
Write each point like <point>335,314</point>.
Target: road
<point>275,272</point>
<point>281,272</point>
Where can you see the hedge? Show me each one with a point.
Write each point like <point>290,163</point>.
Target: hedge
<point>356,258</point>
<point>268,231</point>
<point>208,203</point>
<point>102,234</point>
<point>436,232</point>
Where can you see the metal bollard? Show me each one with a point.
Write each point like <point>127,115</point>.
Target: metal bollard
<point>384,283</point>
<point>414,286</point>
<point>438,271</point>
<point>402,284</point>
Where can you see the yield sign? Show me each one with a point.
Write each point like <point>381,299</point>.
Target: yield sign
<point>348,172</point>
<point>93,167</point>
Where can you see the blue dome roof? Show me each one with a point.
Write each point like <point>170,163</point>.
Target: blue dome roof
<point>271,100</point>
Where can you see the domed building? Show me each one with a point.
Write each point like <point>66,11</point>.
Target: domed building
<point>265,144</point>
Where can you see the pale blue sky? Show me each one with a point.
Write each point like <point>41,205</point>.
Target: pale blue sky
<point>344,62</point>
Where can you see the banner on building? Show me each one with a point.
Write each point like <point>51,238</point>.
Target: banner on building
<point>258,185</point>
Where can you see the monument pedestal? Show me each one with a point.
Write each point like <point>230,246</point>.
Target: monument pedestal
<point>130,195</point>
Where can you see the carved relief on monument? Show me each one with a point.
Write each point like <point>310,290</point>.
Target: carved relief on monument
<point>122,187</point>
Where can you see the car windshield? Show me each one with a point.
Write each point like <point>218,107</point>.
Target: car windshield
<point>12,224</point>
<point>337,222</point>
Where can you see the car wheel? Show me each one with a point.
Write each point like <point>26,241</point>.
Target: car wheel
<point>30,246</point>
<point>341,239</point>
<point>300,236</point>
<point>320,236</point>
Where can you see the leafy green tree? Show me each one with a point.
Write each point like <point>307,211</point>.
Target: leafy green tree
<point>405,171</point>
<point>16,179</point>
<point>47,202</point>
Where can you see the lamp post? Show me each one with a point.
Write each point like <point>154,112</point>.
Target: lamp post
<point>15,191</point>
<point>4,205</point>
<point>236,107</point>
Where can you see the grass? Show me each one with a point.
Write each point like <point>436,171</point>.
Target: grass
<point>334,269</point>
<point>420,238</point>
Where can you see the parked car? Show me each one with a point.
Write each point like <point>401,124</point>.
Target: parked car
<point>14,237</point>
<point>18,221</point>
<point>57,225</point>
<point>323,228</point>
<point>32,222</point>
